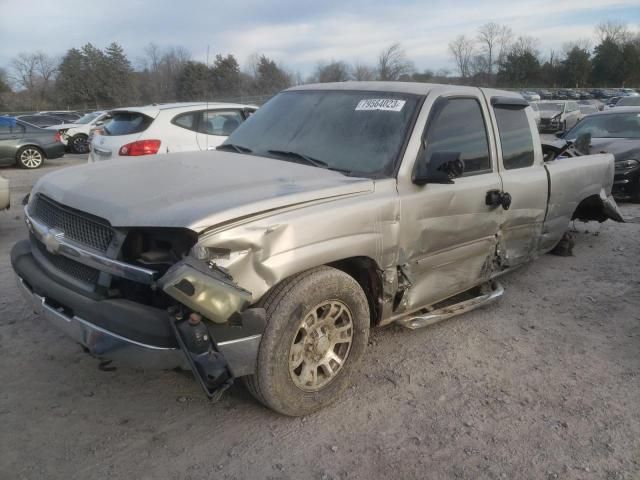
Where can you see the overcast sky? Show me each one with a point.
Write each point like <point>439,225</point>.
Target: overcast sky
<point>297,33</point>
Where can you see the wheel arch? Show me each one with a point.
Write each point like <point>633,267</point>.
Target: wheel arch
<point>368,274</point>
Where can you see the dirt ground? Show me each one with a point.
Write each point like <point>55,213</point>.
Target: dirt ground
<point>544,384</point>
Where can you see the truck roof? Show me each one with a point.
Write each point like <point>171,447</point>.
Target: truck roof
<point>415,88</point>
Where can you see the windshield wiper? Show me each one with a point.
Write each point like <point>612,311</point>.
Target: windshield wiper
<point>233,148</point>
<point>300,156</point>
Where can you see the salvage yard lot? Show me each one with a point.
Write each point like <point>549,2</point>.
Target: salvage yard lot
<point>543,384</point>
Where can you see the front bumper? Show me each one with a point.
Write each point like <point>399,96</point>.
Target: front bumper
<point>100,342</point>
<point>626,184</point>
<point>126,332</point>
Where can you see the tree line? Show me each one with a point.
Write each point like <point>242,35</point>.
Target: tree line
<point>494,56</point>
<point>89,77</point>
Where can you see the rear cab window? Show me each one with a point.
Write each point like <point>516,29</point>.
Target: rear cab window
<point>516,139</point>
<point>127,123</point>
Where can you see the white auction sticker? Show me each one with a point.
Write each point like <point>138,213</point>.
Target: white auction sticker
<point>387,104</point>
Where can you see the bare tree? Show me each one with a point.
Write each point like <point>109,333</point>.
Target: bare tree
<point>335,71</point>
<point>493,39</point>
<point>581,43</point>
<point>525,44</point>
<point>393,63</point>
<point>24,71</point>
<point>614,31</point>
<point>363,72</point>
<point>462,50</point>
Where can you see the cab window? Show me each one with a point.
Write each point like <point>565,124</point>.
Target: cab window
<point>515,137</point>
<point>458,127</point>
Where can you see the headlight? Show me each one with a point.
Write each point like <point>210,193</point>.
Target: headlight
<point>627,164</point>
<point>209,253</point>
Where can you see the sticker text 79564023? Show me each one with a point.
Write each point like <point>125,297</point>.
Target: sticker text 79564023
<point>387,104</point>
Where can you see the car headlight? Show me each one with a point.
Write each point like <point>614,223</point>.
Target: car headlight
<point>209,254</point>
<point>627,164</point>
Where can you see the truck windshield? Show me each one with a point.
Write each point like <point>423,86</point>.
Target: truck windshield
<point>351,131</point>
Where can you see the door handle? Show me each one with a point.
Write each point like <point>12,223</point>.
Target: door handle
<point>496,198</point>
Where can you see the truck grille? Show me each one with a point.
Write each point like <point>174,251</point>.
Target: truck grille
<point>69,267</point>
<point>81,227</point>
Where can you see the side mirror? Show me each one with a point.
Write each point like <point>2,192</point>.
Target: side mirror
<point>99,123</point>
<point>561,133</point>
<point>442,167</point>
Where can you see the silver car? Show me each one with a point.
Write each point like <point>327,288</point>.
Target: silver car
<point>558,115</point>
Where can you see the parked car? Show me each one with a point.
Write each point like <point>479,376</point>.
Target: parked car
<point>628,92</point>
<point>26,145</point>
<point>4,194</point>
<point>335,208</point>
<point>545,94</point>
<point>530,96</point>
<point>615,131</point>
<point>76,135</point>
<point>159,129</point>
<point>611,102</point>
<point>68,117</point>
<point>42,121</point>
<point>629,101</point>
<point>535,110</point>
<point>556,115</point>
<point>586,109</point>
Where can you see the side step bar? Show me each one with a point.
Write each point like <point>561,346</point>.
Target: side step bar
<point>490,292</point>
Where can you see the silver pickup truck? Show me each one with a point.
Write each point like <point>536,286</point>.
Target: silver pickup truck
<point>335,208</point>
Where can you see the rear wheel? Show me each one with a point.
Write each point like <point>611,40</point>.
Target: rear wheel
<point>316,335</point>
<point>79,143</point>
<point>30,157</point>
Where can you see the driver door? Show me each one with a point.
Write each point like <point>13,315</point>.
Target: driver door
<point>448,232</point>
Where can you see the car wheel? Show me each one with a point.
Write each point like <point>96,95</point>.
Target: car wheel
<point>30,157</point>
<point>79,143</point>
<point>316,334</point>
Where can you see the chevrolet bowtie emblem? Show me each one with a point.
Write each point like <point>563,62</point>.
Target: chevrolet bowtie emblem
<point>51,240</point>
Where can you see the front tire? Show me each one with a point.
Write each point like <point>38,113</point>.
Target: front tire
<point>79,143</point>
<point>317,331</point>
<point>30,157</point>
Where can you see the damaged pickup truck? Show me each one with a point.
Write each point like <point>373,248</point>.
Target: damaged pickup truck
<point>335,208</point>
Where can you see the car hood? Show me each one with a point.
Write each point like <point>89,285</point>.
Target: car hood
<point>62,126</point>
<point>549,114</point>
<point>194,190</point>
<point>621,148</point>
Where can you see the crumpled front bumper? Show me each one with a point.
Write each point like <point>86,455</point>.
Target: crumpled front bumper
<point>126,332</point>
<point>101,342</point>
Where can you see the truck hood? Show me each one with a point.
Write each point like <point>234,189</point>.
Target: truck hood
<point>194,190</point>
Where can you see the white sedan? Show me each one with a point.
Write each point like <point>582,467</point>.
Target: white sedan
<point>76,135</point>
<point>166,128</point>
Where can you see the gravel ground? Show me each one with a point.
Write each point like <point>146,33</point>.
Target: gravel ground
<point>544,384</point>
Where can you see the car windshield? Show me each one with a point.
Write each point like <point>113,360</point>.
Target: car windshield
<point>628,102</point>
<point>352,131</point>
<point>551,107</point>
<point>618,125</point>
<point>87,118</point>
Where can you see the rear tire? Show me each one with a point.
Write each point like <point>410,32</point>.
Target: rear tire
<point>317,331</point>
<point>30,157</point>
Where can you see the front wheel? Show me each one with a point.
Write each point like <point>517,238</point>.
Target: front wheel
<point>317,331</point>
<point>79,143</point>
<point>30,157</point>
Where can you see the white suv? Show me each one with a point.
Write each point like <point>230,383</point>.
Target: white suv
<point>76,135</point>
<point>166,128</point>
